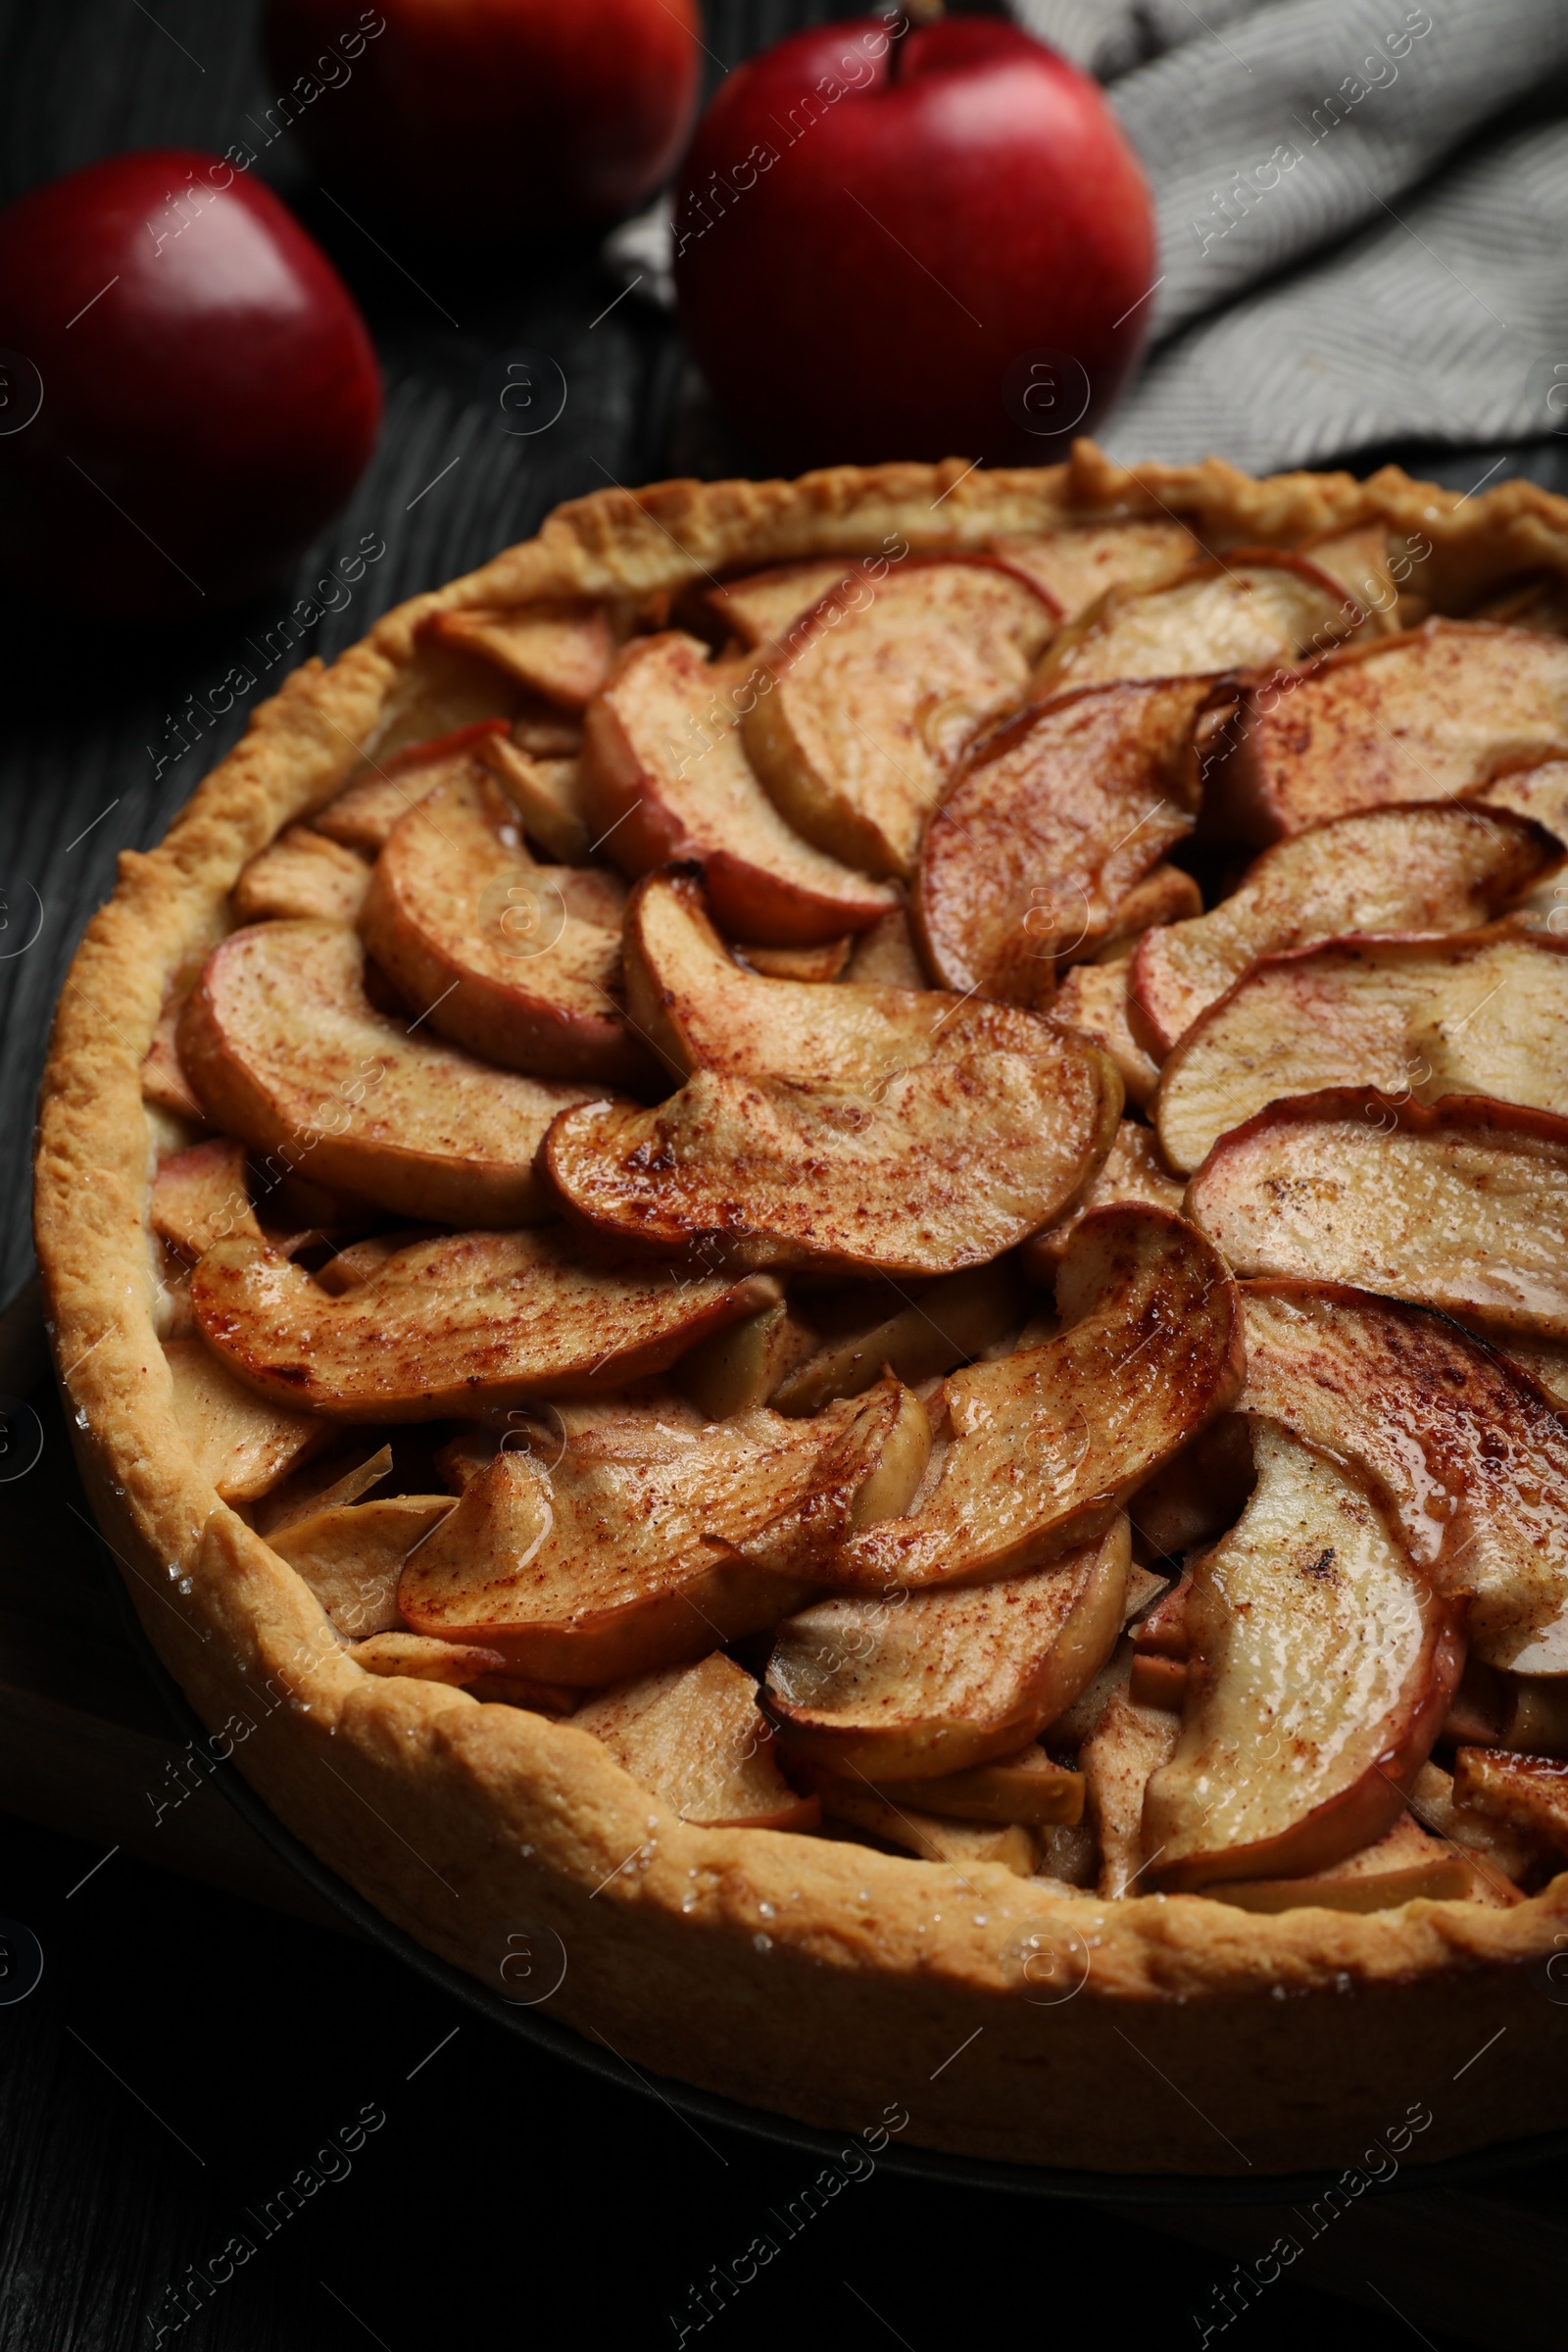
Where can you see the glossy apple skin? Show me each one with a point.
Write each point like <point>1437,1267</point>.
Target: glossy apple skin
<point>204,417</point>
<point>496,117</point>
<point>967,200</point>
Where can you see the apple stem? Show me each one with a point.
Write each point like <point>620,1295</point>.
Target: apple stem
<point>905,19</point>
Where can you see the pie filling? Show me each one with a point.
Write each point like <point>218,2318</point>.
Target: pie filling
<point>932,1195</point>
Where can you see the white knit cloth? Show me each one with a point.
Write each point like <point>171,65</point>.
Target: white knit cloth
<point>1364,219</point>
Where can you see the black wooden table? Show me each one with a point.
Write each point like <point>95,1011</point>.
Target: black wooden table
<point>190,2051</point>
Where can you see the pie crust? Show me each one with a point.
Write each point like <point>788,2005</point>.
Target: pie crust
<point>825,1980</point>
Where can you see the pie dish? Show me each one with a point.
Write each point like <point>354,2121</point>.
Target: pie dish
<point>808,1252</point>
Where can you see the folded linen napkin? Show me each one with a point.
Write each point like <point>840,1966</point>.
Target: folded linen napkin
<point>1362,237</point>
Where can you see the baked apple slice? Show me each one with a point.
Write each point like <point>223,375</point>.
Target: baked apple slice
<point>1421,716</point>
<point>1539,790</point>
<point>1126,1744</point>
<point>301,877</point>
<point>1404,1865</point>
<point>937,1681</point>
<point>363,813</point>
<point>245,1444</point>
<point>1132,1173</point>
<point>643,1545</point>
<point>1095,998</point>
<point>950,1323</point>
<point>1049,827</point>
<point>1074,566</point>
<point>1483,1012</point>
<point>930,1837</point>
<point>455,1325</point>
<point>202,1195</point>
<point>1320,1670</point>
<point>922,1171</point>
<point>288,1052</point>
<point>546,793</point>
<point>880,693</point>
<point>1259,609</point>
<point>758,610</point>
<point>517,961</point>
<point>1521,1792</point>
<point>1461,1206</point>
<point>695,1737</point>
<point>1048,1444</point>
<point>557,647</point>
<point>1470,1453</point>
<point>665,776</point>
<point>1435,868</point>
<point>1029,1787</point>
<point>701,1011</point>
<point>351,1556</point>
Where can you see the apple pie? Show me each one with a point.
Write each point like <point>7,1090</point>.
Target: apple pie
<point>816,1242</point>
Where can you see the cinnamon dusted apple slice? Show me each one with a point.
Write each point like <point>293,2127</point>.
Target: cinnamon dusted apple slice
<point>163,1083</point>
<point>642,1547</point>
<point>759,610</point>
<point>930,1837</point>
<point>1076,566</point>
<point>201,1195</point>
<point>1049,827</point>
<point>557,647</point>
<point>1527,1793</point>
<point>948,1324</point>
<point>924,1172</point>
<point>700,1009</point>
<point>301,877</point>
<point>1166,895</point>
<point>665,775</point>
<point>1483,1012</point>
<point>288,1052</point>
<point>546,793</point>
<point>1320,1670</point>
<point>1048,1444</point>
<point>1420,716</point>
<point>881,692</point>
<point>1132,1172</point>
<point>819,963</point>
<point>363,814</point>
<point>1462,1206</point>
<point>1503,1855</point>
<point>694,1736</point>
<point>1095,998</point>
<point>351,1554</point>
<point>1126,1744</point>
<point>1538,791</point>
<point>425,1661</point>
<point>1471,1453</point>
<point>1259,609</point>
<point>244,1444</point>
<point>455,1325</point>
<point>517,961</point>
<point>942,1681</point>
<point>1404,1865</point>
<point>1435,868</point>
<point>885,957</point>
<point>1029,1787</point>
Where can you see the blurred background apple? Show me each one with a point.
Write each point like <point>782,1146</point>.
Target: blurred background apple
<point>498,117</point>
<point>206,391</point>
<point>912,248</point>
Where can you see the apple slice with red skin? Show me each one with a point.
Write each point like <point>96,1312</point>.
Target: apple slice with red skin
<point>1131,1172</point>
<point>1420,868</point>
<point>363,813</point>
<point>1321,1665</point>
<point>759,610</point>
<point>700,1009</point>
<point>1259,609</point>
<point>517,961</point>
<point>932,1167</point>
<point>930,1683</point>
<point>201,1196</point>
<point>640,1546</point>
<point>286,1051</point>
<point>695,1737</point>
<point>1479,1013</point>
<point>1469,1453</point>
<point>1049,1443</point>
<point>880,692</point>
<point>1421,716</point>
<point>1049,827</point>
<point>1459,1205</point>
<point>557,647</point>
<point>665,776</point>
<point>1094,997</point>
<point>455,1326</point>
<point>1074,566</point>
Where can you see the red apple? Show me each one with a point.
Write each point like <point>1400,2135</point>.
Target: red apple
<point>911,248</point>
<point>207,394</point>
<point>491,116</point>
